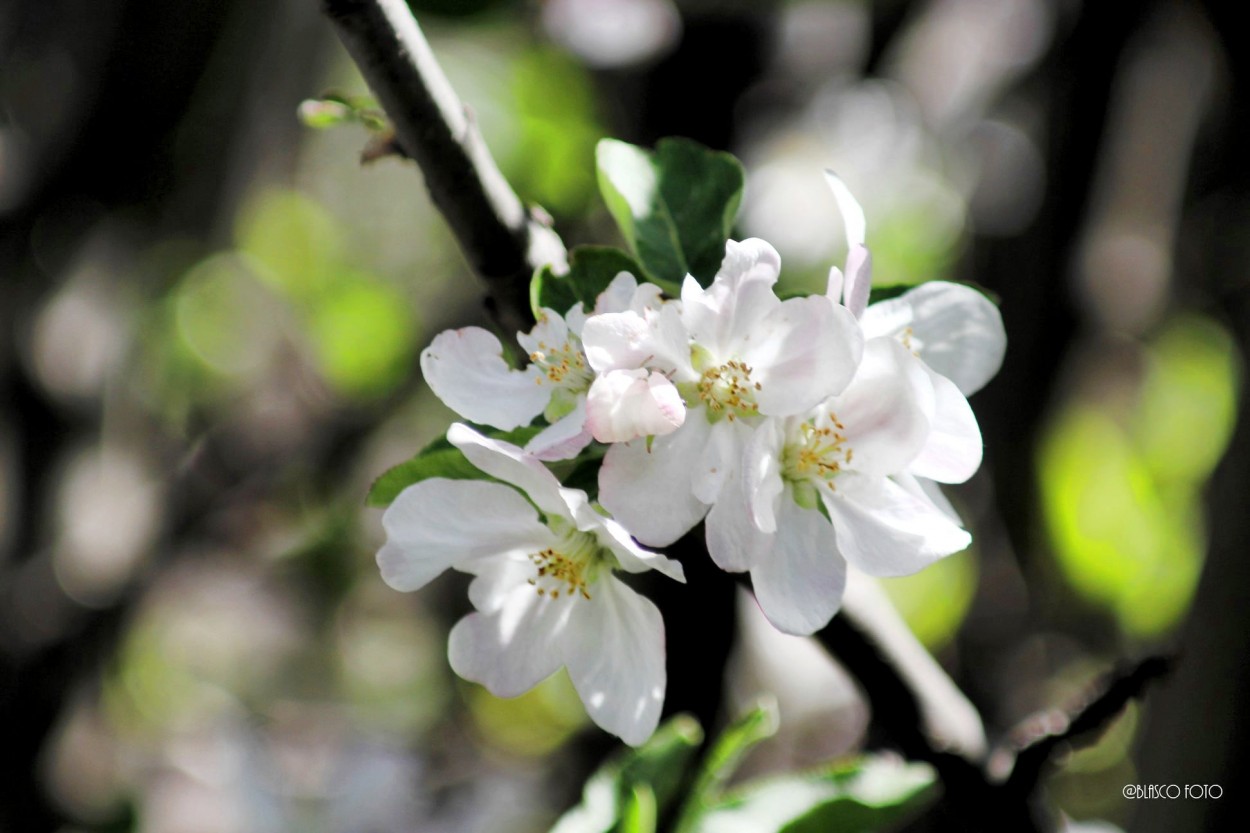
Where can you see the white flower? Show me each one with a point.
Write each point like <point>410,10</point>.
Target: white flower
<point>845,457</point>
<point>853,480</point>
<point>726,358</point>
<point>956,330</point>
<point>466,369</point>
<point>544,588</point>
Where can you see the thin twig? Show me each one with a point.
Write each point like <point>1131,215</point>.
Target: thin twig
<point>502,241</point>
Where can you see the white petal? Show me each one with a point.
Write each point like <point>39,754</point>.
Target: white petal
<point>514,648</point>
<point>614,651</point>
<point>670,344</point>
<point>721,457</point>
<point>858,279</point>
<point>617,340</point>
<point>762,472</point>
<point>958,330</point>
<point>575,319</point>
<point>623,405</point>
<point>633,558</point>
<point>649,491</point>
<point>618,295</point>
<point>953,450</point>
<point>440,523</point>
<point>496,579</point>
<point>885,410</point>
<point>799,585</point>
<point>511,465</point>
<point>740,296</point>
<point>926,489</point>
<point>733,540</point>
<point>852,213</point>
<point>833,288</point>
<point>804,352</point>
<point>884,531</point>
<point>565,438</point>
<point>465,368</point>
<point>549,333</point>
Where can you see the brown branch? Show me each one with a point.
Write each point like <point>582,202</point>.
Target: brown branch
<point>501,240</point>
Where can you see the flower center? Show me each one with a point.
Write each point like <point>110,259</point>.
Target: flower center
<point>727,390</point>
<point>563,366</point>
<point>569,570</point>
<point>910,341</point>
<point>816,454</point>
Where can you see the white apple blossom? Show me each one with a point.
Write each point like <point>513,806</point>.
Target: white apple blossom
<point>854,480</point>
<point>845,457</point>
<point>466,369</point>
<point>729,357</point>
<point>956,332</point>
<point>543,561</point>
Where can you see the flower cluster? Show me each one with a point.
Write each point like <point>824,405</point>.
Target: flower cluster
<point>807,434</point>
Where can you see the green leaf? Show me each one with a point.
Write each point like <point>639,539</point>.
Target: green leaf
<point>675,206</point>
<point>591,269</point>
<point>640,811</point>
<point>725,756</point>
<point>632,789</point>
<point>867,795</point>
<point>438,459</point>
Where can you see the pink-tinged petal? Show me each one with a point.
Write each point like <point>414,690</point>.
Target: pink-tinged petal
<point>511,465</point>
<point>649,491</point>
<point>465,368</point>
<point>514,648</point>
<point>733,540</point>
<point>953,450</point>
<point>885,411</point>
<point>623,405</point>
<point>852,212</point>
<point>762,473</point>
<point>616,341</point>
<point>614,650</point>
<point>565,438</point>
<point>619,294</point>
<point>858,279</point>
<point>804,352</point>
<point>799,585</point>
<point>740,296</point>
<point>885,531</point>
<point>428,531</point>
<point>957,330</point>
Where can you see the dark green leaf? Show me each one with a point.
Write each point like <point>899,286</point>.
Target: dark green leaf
<point>591,269</point>
<point>675,206</point>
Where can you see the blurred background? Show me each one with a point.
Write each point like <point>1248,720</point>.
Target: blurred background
<point>210,314</point>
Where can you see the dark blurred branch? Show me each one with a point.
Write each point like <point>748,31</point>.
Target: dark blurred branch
<point>919,710</point>
<point>1087,721</point>
<point>502,241</point>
